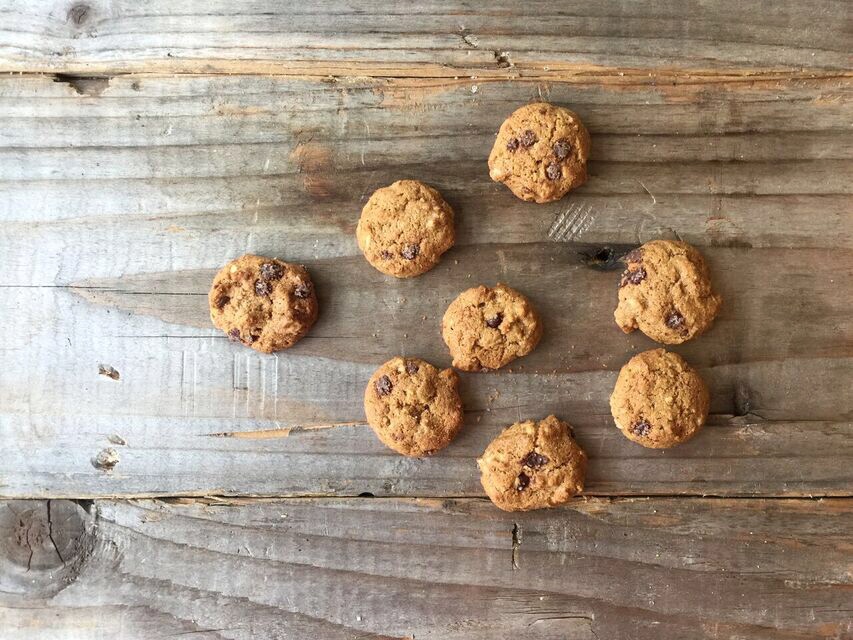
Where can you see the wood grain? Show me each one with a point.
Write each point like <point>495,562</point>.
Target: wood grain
<point>431,39</point>
<point>176,173</point>
<point>171,137</point>
<point>120,202</point>
<point>625,568</point>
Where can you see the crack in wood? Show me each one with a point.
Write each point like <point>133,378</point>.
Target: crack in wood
<point>516,545</point>
<point>531,72</point>
<point>50,533</point>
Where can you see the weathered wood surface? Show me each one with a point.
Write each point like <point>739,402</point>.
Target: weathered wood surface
<point>430,38</point>
<point>120,202</point>
<point>123,188</point>
<point>394,568</point>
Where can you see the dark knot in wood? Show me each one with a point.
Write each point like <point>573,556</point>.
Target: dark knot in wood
<point>79,14</point>
<point>47,542</point>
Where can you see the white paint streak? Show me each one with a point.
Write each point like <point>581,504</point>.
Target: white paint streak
<point>572,223</point>
<point>646,189</point>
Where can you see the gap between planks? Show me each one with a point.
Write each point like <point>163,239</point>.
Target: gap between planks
<point>226,499</point>
<point>577,74</point>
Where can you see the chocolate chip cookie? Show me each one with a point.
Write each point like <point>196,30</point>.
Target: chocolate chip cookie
<point>487,328</point>
<point>541,152</point>
<point>405,228</point>
<point>659,400</point>
<point>413,407</point>
<point>666,292</point>
<point>533,465</point>
<point>264,303</point>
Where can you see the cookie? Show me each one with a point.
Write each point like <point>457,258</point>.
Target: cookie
<point>666,292</point>
<point>487,328</point>
<point>264,303</point>
<point>540,152</point>
<point>405,228</point>
<point>413,407</point>
<point>659,400</point>
<point>533,465</point>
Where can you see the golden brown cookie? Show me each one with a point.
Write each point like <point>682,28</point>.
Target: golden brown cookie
<point>487,328</point>
<point>659,400</point>
<point>413,407</point>
<point>541,152</point>
<point>533,465</point>
<point>405,228</point>
<point>666,292</point>
<point>264,303</point>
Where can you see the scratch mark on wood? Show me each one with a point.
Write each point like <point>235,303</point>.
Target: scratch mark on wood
<point>572,223</point>
<point>646,189</point>
<point>284,432</point>
<point>247,360</point>
<point>183,369</point>
<point>275,390</point>
<point>502,261</point>
<point>195,382</point>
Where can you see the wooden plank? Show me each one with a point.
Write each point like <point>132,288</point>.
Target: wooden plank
<point>629,568</point>
<point>185,173</point>
<point>119,204</point>
<point>431,39</point>
<point>162,456</point>
<point>178,384</point>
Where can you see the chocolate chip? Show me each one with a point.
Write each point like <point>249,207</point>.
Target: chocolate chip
<point>252,337</point>
<point>385,255</point>
<point>411,367</point>
<point>271,271</point>
<point>262,287</point>
<point>527,139</point>
<point>634,255</point>
<point>234,335</point>
<point>495,321</point>
<point>512,144</point>
<point>302,290</point>
<point>633,277</point>
<point>640,428</point>
<point>410,251</point>
<point>534,460</point>
<point>554,171</point>
<point>675,320</point>
<point>416,411</point>
<point>222,300</point>
<point>384,386</point>
<point>562,149</point>
<point>522,481</point>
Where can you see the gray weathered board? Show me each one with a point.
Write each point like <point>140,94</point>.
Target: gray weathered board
<point>632,568</point>
<point>143,144</point>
